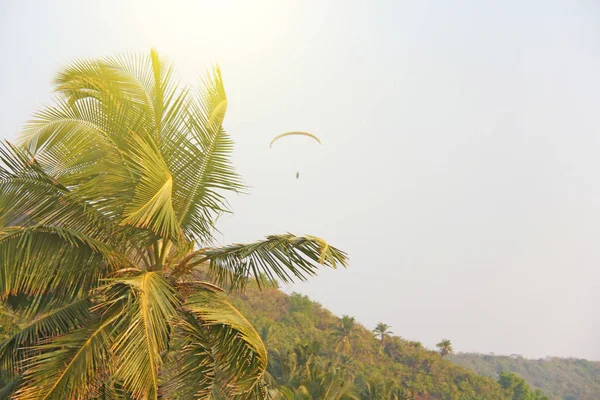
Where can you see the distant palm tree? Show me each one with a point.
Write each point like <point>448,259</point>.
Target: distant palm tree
<point>312,377</point>
<point>343,333</point>
<point>381,331</point>
<point>112,196</point>
<point>445,347</point>
<point>379,390</point>
<point>269,336</point>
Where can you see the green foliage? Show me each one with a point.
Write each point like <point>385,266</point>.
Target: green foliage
<point>7,324</point>
<point>304,374</point>
<point>108,267</point>
<point>316,351</point>
<point>8,327</point>
<point>562,378</point>
<point>381,331</point>
<point>519,389</point>
<point>445,347</point>
<point>343,332</point>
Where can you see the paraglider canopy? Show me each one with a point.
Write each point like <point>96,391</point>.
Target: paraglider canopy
<point>276,138</point>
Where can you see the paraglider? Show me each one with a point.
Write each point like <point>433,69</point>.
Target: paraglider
<point>276,138</point>
<point>310,135</point>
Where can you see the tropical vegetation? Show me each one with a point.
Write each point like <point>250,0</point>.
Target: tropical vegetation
<point>108,263</point>
<point>381,331</point>
<point>445,347</point>
<point>306,361</point>
<point>560,378</point>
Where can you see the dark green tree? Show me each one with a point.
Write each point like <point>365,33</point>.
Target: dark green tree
<point>518,389</point>
<point>343,334</point>
<point>381,331</point>
<point>445,347</point>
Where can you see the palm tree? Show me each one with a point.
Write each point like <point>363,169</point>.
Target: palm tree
<point>107,212</point>
<point>375,390</point>
<point>445,347</point>
<point>328,381</point>
<point>381,330</point>
<point>311,377</point>
<point>343,333</point>
<point>268,335</point>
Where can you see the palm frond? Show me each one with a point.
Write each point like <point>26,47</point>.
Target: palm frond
<point>191,368</point>
<point>68,366</point>
<point>47,259</point>
<point>112,81</point>
<point>151,307</point>
<point>223,353</point>
<point>151,206</point>
<point>201,163</point>
<point>109,389</point>
<point>280,257</point>
<point>24,185</point>
<point>29,197</point>
<point>76,146</point>
<point>73,128</point>
<point>86,136</point>
<point>9,388</point>
<point>46,325</point>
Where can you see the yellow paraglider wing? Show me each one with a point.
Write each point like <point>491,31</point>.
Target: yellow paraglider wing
<point>294,133</point>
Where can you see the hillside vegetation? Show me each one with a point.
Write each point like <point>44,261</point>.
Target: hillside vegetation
<point>314,354</point>
<point>563,378</point>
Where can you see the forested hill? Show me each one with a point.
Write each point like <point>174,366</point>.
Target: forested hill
<point>563,378</point>
<point>314,354</point>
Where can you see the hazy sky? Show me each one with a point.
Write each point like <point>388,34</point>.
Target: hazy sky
<point>459,165</point>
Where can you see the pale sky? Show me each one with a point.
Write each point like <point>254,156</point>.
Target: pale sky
<point>459,165</point>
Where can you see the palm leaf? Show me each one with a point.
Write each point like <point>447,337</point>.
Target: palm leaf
<point>68,366</point>
<point>46,259</point>
<point>76,146</point>
<point>112,81</point>
<point>150,310</point>
<point>201,163</point>
<point>46,325</point>
<point>29,196</point>
<point>152,206</point>
<point>223,353</point>
<point>8,389</point>
<point>279,257</point>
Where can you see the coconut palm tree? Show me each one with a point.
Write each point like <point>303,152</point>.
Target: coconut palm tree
<point>445,347</point>
<point>329,381</point>
<point>268,335</point>
<point>312,377</point>
<point>381,331</point>
<point>343,333</point>
<point>108,204</point>
<point>378,390</point>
